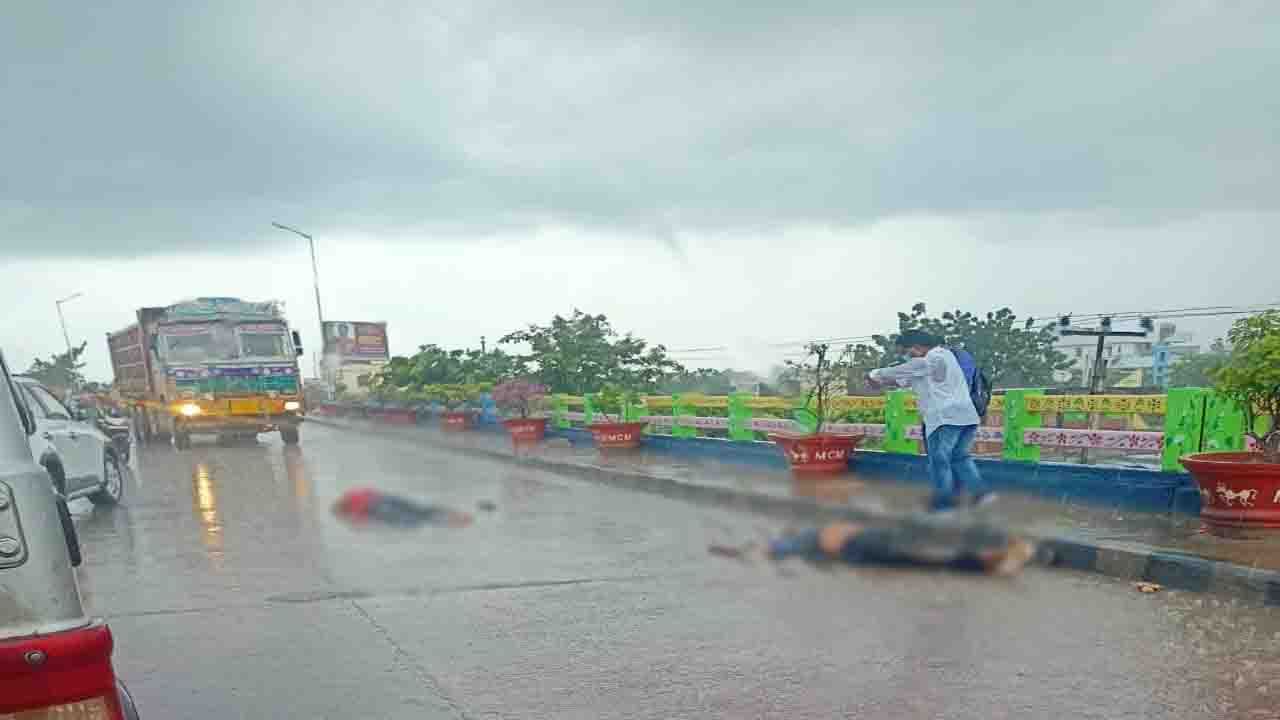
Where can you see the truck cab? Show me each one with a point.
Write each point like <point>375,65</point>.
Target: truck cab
<point>213,366</point>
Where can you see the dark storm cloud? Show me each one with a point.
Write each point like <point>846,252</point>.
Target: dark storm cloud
<point>139,129</point>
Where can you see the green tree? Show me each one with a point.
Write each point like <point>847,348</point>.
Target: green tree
<point>434,365</point>
<point>582,353</point>
<point>1251,377</point>
<point>492,366</point>
<point>862,359</point>
<point>1197,370</point>
<point>1012,354</point>
<point>703,380</point>
<point>61,370</point>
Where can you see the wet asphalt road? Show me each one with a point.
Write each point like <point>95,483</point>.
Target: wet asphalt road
<point>234,593</point>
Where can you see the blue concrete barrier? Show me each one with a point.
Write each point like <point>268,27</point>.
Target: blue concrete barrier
<point>1120,487</point>
<point>1127,488</point>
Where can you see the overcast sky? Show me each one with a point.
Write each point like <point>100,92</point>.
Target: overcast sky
<point>707,174</point>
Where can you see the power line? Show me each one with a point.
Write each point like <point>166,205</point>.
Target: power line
<point>1163,314</point>
<point>717,348</point>
<point>843,338</point>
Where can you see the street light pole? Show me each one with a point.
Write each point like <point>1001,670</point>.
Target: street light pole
<point>62,320</point>
<point>315,277</point>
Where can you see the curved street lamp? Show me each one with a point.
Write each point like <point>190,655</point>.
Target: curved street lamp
<point>315,276</point>
<point>63,321</point>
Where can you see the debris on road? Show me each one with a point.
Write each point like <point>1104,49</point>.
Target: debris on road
<point>730,551</point>
<point>487,506</point>
<point>366,505</point>
<point>1148,587</point>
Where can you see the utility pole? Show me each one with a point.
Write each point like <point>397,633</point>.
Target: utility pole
<point>1098,373</point>
<point>315,277</point>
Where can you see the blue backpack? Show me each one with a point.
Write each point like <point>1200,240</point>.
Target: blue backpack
<point>979,385</point>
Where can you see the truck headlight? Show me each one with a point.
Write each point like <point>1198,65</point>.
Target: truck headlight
<point>190,409</point>
<point>292,405</point>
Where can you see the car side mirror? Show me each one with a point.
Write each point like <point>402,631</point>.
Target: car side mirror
<point>297,343</point>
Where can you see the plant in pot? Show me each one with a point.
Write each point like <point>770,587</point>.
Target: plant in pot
<point>393,405</point>
<point>1242,489</point>
<point>520,401</point>
<point>614,432</point>
<point>456,400</point>
<point>419,400</point>
<point>815,451</point>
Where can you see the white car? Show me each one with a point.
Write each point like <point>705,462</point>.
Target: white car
<point>79,457</point>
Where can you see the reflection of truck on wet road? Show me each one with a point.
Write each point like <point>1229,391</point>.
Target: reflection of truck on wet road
<point>210,365</point>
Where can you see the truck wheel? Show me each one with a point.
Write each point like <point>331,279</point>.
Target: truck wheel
<point>289,435</point>
<point>144,427</point>
<point>166,427</point>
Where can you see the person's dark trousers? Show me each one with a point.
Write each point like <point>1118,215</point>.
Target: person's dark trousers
<point>951,467</point>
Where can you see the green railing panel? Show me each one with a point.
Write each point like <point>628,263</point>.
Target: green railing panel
<point>1017,420</point>
<point>897,418</point>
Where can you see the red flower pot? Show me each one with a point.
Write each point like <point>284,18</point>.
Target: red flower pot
<point>617,436</point>
<point>526,431</point>
<point>820,453</point>
<point>455,421</point>
<point>1237,489</point>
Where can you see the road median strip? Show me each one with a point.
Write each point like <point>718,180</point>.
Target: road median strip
<point>1127,561</point>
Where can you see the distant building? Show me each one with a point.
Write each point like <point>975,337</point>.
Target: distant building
<point>354,376</point>
<point>744,381</point>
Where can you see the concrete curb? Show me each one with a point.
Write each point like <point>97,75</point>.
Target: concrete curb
<point>1174,570</point>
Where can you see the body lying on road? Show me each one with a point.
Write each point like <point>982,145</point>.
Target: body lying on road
<point>910,541</point>
<point>367,505</point>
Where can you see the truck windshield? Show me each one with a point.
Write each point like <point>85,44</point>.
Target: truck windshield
<point>197,343</point>
<point>191,348</point>
<point>263,345</point>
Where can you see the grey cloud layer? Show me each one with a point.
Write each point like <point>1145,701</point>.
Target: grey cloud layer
<point>167,128</point>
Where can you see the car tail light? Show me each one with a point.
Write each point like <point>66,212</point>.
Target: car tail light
<point>61,676</point>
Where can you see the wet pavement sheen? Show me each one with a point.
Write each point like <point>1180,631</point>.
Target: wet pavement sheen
<point>234,593</point>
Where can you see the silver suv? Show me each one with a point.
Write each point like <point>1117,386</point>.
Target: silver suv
<point>80,458</point>
<point>55,661</point>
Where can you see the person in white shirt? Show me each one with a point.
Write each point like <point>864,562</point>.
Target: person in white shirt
<point>950,419</point>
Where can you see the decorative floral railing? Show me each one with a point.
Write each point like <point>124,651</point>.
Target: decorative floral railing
<point>1194,419</point>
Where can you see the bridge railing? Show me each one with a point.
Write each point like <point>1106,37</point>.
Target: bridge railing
<point>1023,425</point>
<point>1027,425</point>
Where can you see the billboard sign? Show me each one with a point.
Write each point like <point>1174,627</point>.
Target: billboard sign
<point>355,341</point>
